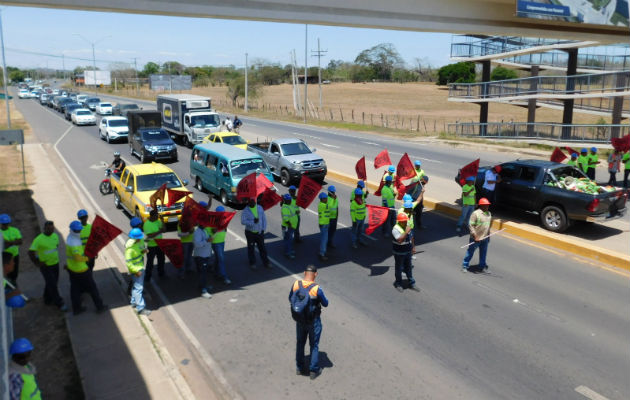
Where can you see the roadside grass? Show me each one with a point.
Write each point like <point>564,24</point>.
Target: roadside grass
<point>11,177</point>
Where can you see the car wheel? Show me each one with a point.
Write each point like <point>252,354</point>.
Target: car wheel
<point>224,197</point>
<point>117,200</point>
<point>285,178</point>
<point>137,213</point>
<point>107,138</point>
<point>143,157</point>
<point>554,219</point>
<point>131,150</point>
<point>185,141</point>
<point>199,185</point>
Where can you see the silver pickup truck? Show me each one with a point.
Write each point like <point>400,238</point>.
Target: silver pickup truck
<point>290,159</point>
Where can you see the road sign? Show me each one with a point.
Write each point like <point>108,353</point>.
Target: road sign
<point>9,137</point>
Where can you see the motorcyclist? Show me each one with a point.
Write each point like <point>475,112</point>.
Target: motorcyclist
<point>228,124</point>
<point>118,164</point>
<point>237,123</point>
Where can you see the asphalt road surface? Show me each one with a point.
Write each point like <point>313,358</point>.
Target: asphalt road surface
<point>542,325</point>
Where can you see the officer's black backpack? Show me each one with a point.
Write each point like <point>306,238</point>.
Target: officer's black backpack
<point>302,306</point>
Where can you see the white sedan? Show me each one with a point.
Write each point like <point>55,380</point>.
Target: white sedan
<point>104,109</point>
<point>113,128</point>
<point>83,116</point>
<point>23,94</point>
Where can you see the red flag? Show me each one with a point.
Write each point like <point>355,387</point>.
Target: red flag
<point>158,195</point>
<point>377,215</point>
<point>173,250</point>
<point>572,151</point>
<point>382,159</point>
<point>557,155</point>
<point>269,199</point>
<point>262,184</point>
<point>380,185</point>
<point>307,192</point>
<point>190,214</point>
<point>621,144</point>
<point>360,169</point>
<point>214,219</point>
<point>405,169</point>
<point>468,170</point>
<point>403,189</point>
<point>174,195</point>
<point>102,233</point>
<point>246,188</point>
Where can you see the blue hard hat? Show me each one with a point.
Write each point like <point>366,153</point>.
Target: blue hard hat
<point>332,189</point>
<point>135,222</point>
<point>21,345</point>
<point>286,196</point>
<point>5,219</point>
<point>358,192</point>
<point>388,178</point>
<point>220,209</point>
<point>418,163</point>
<point>406,197</point>
<point>76,226</point>
<point>203,204</point>
<point>583,150</point>
<point>292,187</point>
<point>361,184</point>
<point>136,233</point>
<point>594,149</point>
<point>15,302</point>
<point>470,178</point>
<point>408,204</point>
<point>425,177</point>
<point>574,155</point>
<point>391,169</point>
<point>82,213</point>
<point>323,195</point>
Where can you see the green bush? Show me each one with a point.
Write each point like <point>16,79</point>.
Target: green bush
<point>502,73</point>
<point>461,72</point>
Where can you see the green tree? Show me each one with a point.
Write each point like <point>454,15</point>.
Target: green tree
<point>172,68</point>
<point>382,59</point>
<point>461,72</point>
<point>149,68</point>
<point>236,88</point>
<point>502,73</point>
<point>16,75</point>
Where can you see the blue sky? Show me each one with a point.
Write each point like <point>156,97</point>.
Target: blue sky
<point>191,41</point>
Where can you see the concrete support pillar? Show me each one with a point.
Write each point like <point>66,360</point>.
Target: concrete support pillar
<point>483,111</point>
<point>618,105</point>
<point>531,103</point>
<point>567,115</point>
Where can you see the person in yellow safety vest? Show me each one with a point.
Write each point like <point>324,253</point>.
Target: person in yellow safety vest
<point>388,198</point>
<point>468,202</point>
<point>44,253</point>
<point>573,161</point>
<point>323,214</point>
<point>255,221</point>
<point>419,171</point>
<point>357,213</point>
<point>186,238</point>
<point>82,215</point>
<point>135,250</point>
<point>218,248</point>
<point>626,172</point>
<point>296,210</point>
<point>12,240</point>
<point>583,160</point>
<point>401,248</point>
<point>479,226</point>
<point>408,208</point>
<point>333,207</point>
<point>153,229</point>
<point>22,383</point>
<point>289,224</point>
<point>391,171</point>
<point>593,160</point>
<point>81,279</point>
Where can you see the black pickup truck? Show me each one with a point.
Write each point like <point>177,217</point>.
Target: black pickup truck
<point>539,186</point>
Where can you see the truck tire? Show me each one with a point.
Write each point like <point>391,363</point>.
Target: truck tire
<point>224,197</point>
<point>554,219</point>
<point>117,200</point>
<point>199,185</point>
<point>185,141</point>
<point>285,178</point>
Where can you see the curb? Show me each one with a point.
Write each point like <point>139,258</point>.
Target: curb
<point>586,250</point>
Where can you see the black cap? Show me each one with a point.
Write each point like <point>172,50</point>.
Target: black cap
<point>311,268</point>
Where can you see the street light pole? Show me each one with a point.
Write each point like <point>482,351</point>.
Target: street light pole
<point>135,67</point>
<point>305,71</point>
<point>93,44</point>
<point>4,74</point>
<point>246,68</point>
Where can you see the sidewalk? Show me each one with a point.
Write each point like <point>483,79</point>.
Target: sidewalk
<point>118,353</point>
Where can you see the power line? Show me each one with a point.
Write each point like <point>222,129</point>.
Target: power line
<point>36,53</point>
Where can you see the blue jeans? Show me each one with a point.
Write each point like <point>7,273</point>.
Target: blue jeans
<point>357,230</point>
<point>202,270</point>
<point>331,230</point>
<point>465,217</point>
<point>187,249</point>
<point>323,239</point>
<point>313,332</point>
<point>288,233</point>
<point>137,300</point>
<point>403,264</point>
<point>219,259</point>
<point>483,250</point>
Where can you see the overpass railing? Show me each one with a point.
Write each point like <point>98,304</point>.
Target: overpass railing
<point>470,46</point>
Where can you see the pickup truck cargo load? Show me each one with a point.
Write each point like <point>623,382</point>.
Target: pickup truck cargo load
<point>188,117</point>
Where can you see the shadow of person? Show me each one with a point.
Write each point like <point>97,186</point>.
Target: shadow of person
<point>378,270</point>
<point>324,361</point>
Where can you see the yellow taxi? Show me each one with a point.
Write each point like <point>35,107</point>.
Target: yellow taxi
<point>231,138</point>
<point>135,185</point>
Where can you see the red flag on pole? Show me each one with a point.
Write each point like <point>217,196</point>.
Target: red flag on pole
<point>269,199</point>
<point>102,233</point>
<point>158,195</point>
<point>403,189</point>
<point>405,169</point>
<point>262,184</point>
<point>190,214</point>
<point>380,185</point>
<point>360,169</point>
<point>468,170</point>
<point>572,151</point>
<point>377,215</point>
<point>557,155</point>
<point>175,195</point>
<point>213,219</point>
<point>382,159</point>
<point>307,192</point>
<point>621,144</point>
<point>246,188</point>
<point>172,248</point>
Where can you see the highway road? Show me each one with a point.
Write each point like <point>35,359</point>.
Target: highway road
<point>543,324</point>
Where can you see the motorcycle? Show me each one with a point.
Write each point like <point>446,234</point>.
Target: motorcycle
<point>106,187</point>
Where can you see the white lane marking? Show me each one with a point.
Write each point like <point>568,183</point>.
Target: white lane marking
<point>371,143</point>
<point>330,145</point>
<point>63,136</point>
<point>250,124</point>
<point>589,393</point>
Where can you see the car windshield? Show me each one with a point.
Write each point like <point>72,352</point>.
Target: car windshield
<point>203,121</point>
<point>242,168</point>
<point>154,135</point>
<point>233,140</point>
<point>83,112</point>
<point>118,122</point>
<point>153,182</point>
<point>292,149</point>
<point>94,100</point>
<point>129,107</point>
<point>105,105</point>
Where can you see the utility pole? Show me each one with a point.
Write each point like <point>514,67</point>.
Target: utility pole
<point>305,70</point>
<point>93,57</point>
<point>170,78</point>
<point>135,68</point>
<point>319,53</point>
<point>63,65</point>
<point>4,74</point>
<point>246,68</point>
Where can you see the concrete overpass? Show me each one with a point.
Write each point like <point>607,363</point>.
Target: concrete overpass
<point>489,17</point>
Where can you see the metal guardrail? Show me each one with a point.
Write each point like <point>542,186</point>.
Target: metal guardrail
<point>560,59</point>
<point>540,130</point>
<point>479,47</point>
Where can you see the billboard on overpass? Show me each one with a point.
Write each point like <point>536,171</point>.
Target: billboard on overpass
<point>170,82</point>
<point>598,12</point>
<point>100,78</point>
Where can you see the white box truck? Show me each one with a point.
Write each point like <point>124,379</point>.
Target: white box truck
<point>188,117</point>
